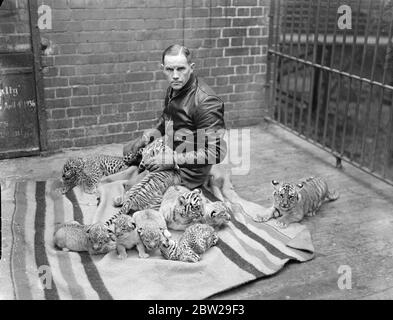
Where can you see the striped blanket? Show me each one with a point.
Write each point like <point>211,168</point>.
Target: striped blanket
<point>35,269</point>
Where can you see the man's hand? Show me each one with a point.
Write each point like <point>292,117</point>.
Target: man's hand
<point>134,145</point>
<point>165,160</point>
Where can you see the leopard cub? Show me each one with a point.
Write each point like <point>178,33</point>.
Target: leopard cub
<point>195,240</point>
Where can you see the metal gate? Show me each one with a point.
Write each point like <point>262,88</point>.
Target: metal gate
<point>22,113</point>
<point>331,83</point>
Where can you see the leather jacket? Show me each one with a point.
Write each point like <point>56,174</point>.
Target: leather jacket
<point>193,120</point>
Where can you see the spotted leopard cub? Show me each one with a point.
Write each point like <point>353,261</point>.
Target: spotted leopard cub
<point>87,172</point>
<point>293,201</point>
<point>95,238</point>
<point>195,241</point>
<point>127,237</point>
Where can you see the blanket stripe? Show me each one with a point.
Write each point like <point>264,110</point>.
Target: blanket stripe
<point>18,256</point>
<point>269,262</point>
<point>90,268</point>
<point>236,258</point>
<point>245,251</point>
<point>39,241</point>
<point>269,247</point>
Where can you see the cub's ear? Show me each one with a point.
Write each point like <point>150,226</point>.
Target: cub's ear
<point>89,229</point>
<point>132,224</point>
<point>198,191</point>
<point>275,183</point>
<point>182,199</point>
<point>300,185</point>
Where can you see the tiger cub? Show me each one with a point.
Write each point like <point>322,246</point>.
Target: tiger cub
<point>95,238</point>
<point>146,194</point>
<point>150,151</point>
<point>195,240</point>
<point>127,237</point>
<point>180,207</point>
<point>293,201</point>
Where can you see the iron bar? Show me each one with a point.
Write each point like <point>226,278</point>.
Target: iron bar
<point>276,58</point>
<point>326,118</point>
<point>313,71</point>
<point>361,83</point>
<point>389,145</point>
<point>269,57</point>
<point>385,67</point>
<point>299,125</point>
<point>305,69</point>
<point>375,54</point>
<point>321,72</point>
<point>282,45</point>
<point>288,71</point>
<point>294,98</point>
<point>336,114</point>
<point>350,80</point>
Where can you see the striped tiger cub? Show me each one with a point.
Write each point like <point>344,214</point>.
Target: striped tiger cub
<point>293,201</point>
<point>148,193</point>
<point>181,207</point>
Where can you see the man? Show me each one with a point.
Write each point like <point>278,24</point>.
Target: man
<point>192,121</point>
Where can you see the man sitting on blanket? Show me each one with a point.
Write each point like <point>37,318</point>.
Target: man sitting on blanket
<point>192,121</point>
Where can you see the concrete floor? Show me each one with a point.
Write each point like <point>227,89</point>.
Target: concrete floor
<point>353,233</point>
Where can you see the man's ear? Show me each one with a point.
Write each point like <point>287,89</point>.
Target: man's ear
<point>162,66</point>
<point>192,66</point>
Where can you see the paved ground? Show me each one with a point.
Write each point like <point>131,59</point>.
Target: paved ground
<point>352,235</point>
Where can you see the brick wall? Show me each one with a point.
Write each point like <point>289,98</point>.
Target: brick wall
<point>102,75</point>
<point>14,27</point>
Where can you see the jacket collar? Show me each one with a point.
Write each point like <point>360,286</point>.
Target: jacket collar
<point>190,83</point>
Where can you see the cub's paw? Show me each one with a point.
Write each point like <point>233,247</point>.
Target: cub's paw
<point>281,224</point>
<point>144,255</point>
<point>122,256</point>
<point>262,217</point>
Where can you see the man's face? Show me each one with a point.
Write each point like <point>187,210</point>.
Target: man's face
<point>177,70</point>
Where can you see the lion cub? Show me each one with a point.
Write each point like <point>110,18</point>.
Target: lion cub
<point>127,237</point>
